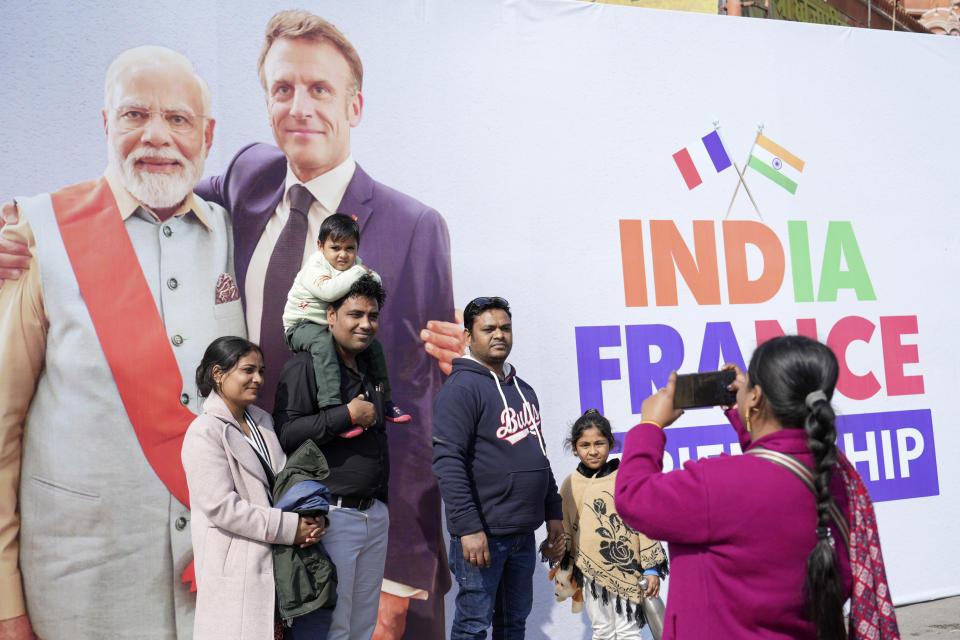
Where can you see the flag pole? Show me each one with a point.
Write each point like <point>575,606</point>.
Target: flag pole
<point>716,127</point>
<point>741,180</point>
<point>735,191</point>
<point>747,189</point>
<point>749,195</point>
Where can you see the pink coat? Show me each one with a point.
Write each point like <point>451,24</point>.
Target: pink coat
<point>739,530</point>
<point>233,525</point>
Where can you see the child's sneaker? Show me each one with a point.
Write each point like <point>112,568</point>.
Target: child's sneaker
<point>393,413</point>
<point>353,433</point>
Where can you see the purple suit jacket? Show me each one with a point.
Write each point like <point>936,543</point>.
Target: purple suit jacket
<point>407,243</point>
<point>739,529</point>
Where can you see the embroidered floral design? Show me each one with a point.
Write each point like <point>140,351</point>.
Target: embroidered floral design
<point>616,548</point>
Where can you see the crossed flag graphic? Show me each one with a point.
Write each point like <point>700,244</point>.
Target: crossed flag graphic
<point>709,156</point>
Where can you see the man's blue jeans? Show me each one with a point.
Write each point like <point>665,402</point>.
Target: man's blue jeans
<point>502,594</point>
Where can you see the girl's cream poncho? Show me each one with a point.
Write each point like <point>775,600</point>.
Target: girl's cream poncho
<point>609,554</point>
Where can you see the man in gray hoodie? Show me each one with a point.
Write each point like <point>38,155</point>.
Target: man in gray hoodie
<point>490,459</point>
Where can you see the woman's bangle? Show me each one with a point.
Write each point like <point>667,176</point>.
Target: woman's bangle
<point>654,423</point>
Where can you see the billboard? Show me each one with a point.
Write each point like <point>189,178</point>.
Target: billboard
<point>643,207</point>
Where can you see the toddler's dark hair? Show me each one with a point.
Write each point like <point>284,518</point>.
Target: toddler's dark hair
<point>339,227</point>
<point>592,418</point>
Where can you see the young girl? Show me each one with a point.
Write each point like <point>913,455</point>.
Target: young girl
<point>609,557</point>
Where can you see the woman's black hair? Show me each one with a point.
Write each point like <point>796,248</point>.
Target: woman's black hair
<point>592,418</point>
<point>225,351</point>
<point>791,370</point>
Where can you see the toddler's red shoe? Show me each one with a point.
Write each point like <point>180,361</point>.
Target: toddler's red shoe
<point>393,413</point>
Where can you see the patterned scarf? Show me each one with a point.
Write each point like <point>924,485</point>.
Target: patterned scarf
<point>872,616</point>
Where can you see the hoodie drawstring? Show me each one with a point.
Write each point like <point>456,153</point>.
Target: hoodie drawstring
<point>533,427</point>
<point>502,397</point>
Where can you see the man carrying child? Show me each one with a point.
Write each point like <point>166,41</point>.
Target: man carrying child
<point>359,466</point>
<point>327,276</point>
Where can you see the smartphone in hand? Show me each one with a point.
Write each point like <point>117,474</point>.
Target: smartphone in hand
<point>704,389</point>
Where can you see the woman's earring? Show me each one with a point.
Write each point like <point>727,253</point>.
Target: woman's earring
<point>749,428</point>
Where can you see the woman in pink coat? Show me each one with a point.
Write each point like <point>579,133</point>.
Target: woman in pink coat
<point>754,551</point>
<point>226,453</point>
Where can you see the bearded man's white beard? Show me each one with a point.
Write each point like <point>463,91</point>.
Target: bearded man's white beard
<point>156,190</point>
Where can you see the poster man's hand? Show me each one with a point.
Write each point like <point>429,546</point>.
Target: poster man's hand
<point>16,629</point>
<point>14,256</point>
<point>444,341</point>
<point>8,214</point>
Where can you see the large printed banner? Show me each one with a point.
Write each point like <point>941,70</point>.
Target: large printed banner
<point>651,191</point>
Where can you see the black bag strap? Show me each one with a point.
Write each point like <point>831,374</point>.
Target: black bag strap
<point>271,477</point>
<point>803,472</point>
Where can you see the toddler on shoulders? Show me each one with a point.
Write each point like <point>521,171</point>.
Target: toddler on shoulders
<point>327,276</point>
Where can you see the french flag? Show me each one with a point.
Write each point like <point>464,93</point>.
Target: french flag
<point>701,159</point>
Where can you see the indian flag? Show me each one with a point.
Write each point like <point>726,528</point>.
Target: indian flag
<point>775,162</point>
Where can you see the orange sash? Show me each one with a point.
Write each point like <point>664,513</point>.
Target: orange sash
<point>128,325</point>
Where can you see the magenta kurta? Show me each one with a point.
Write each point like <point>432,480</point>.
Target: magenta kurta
<point>739,530</point>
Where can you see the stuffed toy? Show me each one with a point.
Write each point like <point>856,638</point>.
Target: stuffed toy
<point>565,586</point>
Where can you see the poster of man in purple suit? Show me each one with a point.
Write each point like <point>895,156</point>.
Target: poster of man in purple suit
<point>313,78</point>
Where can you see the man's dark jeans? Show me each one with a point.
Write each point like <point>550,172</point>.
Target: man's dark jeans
<point>502,594</point>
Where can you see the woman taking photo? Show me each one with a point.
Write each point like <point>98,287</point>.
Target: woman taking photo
<point>226,454</point>
<point>756,552</point>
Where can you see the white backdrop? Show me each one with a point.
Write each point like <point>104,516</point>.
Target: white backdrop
<point>536,126</point>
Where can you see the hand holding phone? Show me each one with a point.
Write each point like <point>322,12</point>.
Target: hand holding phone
<point>704,389</point>
<point>659,408</point>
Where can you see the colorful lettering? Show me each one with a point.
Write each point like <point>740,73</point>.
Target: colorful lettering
<point>842,245</point>
<point>592,370</point>
<point>634,268</point>
<point>896,354</point>
<point>737,234</point>
<point>847,330</point>
<point>668,250</point>
<point>647,375</point>
<point>719,347</point>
